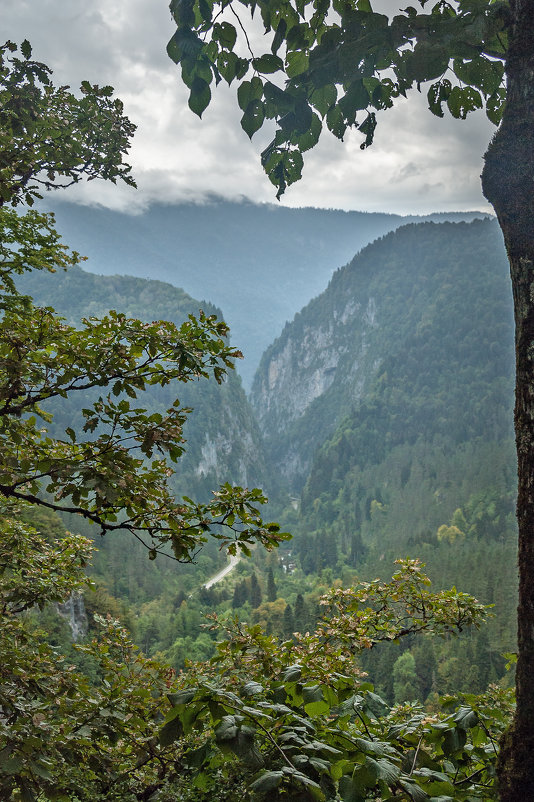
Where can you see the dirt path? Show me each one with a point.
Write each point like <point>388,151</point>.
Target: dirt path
<point>233,560</point>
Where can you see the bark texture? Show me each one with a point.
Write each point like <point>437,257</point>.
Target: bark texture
<point>508,183</point>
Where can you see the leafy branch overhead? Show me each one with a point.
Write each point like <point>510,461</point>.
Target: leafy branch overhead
<point>338,64</point>
<point>116,476</point>
<point>353,620</point>
<point>50,138</point>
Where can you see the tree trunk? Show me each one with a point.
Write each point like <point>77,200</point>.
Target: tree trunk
<point>508,183</point>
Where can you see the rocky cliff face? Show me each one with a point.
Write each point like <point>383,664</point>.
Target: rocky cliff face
<point>318,368</point>
<point>328,360</point>
<point>299,369</point>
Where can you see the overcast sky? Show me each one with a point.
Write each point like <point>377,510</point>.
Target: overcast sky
<point>418,163</point>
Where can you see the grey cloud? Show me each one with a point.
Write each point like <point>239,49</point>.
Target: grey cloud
<point>409,170</point>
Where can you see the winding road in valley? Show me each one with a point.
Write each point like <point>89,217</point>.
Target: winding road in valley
<point>233,560</point>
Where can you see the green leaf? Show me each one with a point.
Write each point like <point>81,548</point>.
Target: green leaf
<point>26,49</point>
<point>495,105</point>
<point>268,63</point>
<point>266,782</point>
<point>466,718</point>
<point>387,771</point>
<point>182,697</point>
<point>12,764</point>
<point>309,138</point>
<point>227,729</point>
<point>200,781</point>
<point>249,91</point>
<point>350,791</point>
<point>426,62</point>
<point>196,758</point>
<point>200,96</point>
<point>437,95</point>
<point>252,688</point>
<point>368,128</point>
<point>314,709</point>
<point>453,740</point>
<point>376,705</point>
<point>184,43</point>
<point>415,791</point>
<point>371,747</point>
<point>436,784</point>
<point>71,434</point>
<point>225,34</point>
<point>312,693</point>
<point>227,64</point>
<point>462,101</point>
<point>41,770</point>
<point>481,72</point>
<point>336,121</point>
<point>171,732</point>
<point>324,98</point>
<point>242,68</point>
<point>292,673</point>
<point>297,62</point>
<point>356,97</point>
<point>84,731</point>
<point>279,36</point>
<point>253,118</point>
<point>366,775</point>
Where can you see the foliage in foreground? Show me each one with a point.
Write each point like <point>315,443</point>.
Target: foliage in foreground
<point>263,719</point>
<point>62,737</point>
<point>298,721</point>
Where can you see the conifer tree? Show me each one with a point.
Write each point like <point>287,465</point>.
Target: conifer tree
<point>289,622</point>
<point>272,593</point>
<point>405,685</point>
<point>255,591</point>
<point>301,615</point>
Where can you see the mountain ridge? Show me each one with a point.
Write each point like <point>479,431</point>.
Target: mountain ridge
<point>217,250</point>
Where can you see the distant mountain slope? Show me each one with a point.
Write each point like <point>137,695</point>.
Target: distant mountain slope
<point>223,441</point>
<point>388,401</point>
<point>260,263</point>
<point>413,338</point>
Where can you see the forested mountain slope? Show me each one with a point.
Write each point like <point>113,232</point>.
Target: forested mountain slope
<point>223,441</point>
<point>413,338</point>
<point>388,402</point>
<point>259,263</point>
<point>390,398</point>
